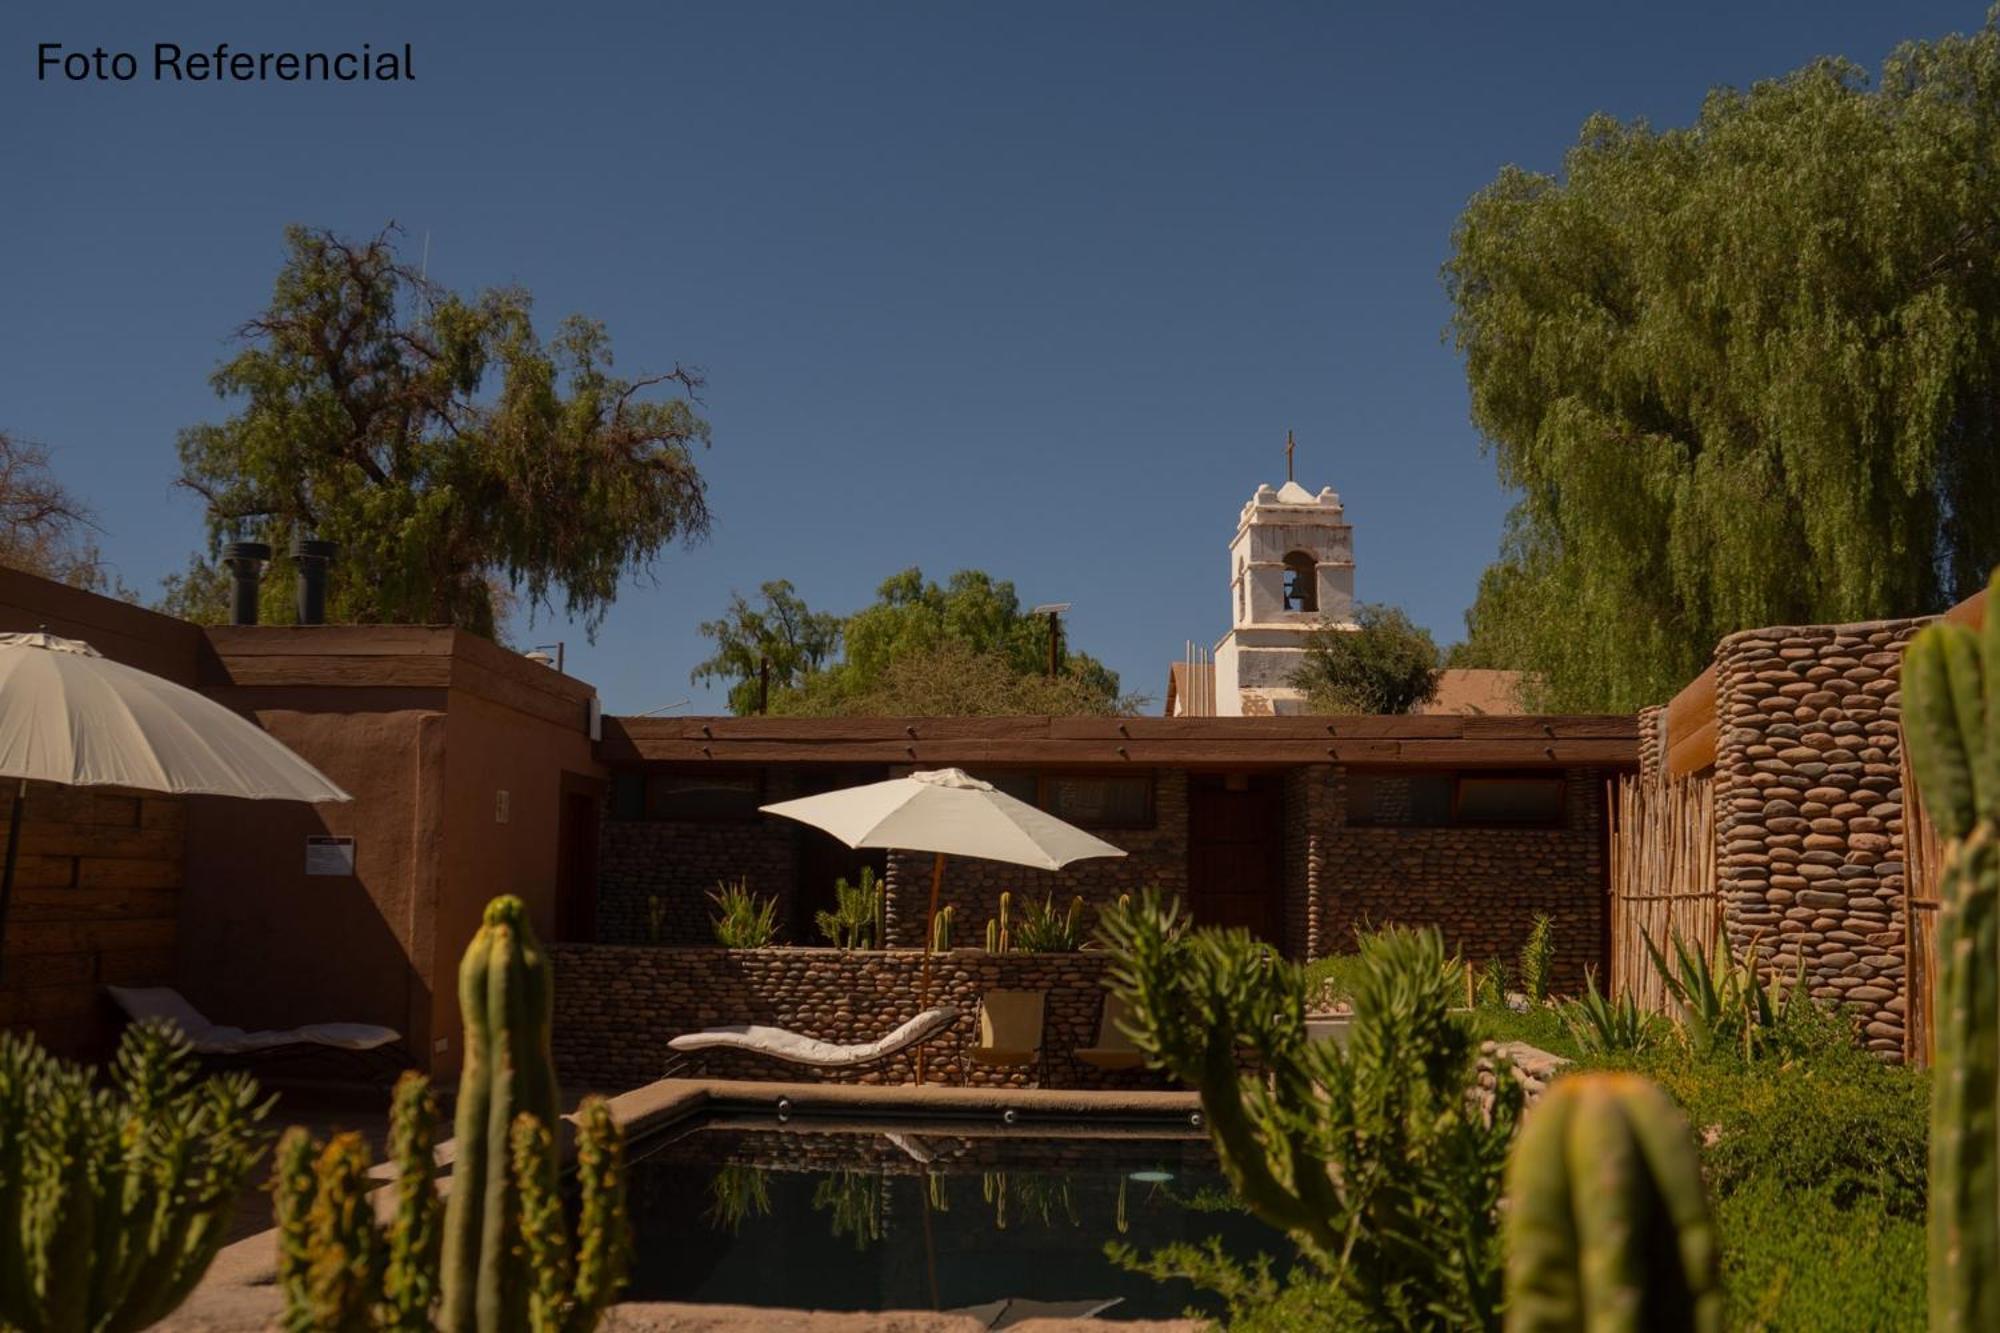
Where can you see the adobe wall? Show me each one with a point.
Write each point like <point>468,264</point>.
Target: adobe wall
<point>1481,887</point>
<point>1155,857</point>
<point>493,748</point>
<point>265,945</point>
<point>618,1006</point>
<point>1809,809</point>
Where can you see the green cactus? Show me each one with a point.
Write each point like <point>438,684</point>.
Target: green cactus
<point>570,1288</point>
<point>941,931</point>
<point>1006,928</point>
<point>856,919</point>
<point>113,1201</point>
<point>416,1233</point>
<point>1538,958</point>
<point>1608,1229</point>
<point>1951,712</point>
<point>1381,1158</point>
<point>505,994</point>
<point>497,1258</point>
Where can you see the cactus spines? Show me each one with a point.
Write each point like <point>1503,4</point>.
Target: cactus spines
<point>941,931</point>
<point>1006,931</point>
<point>113,1200</point>
<point>570,1288</point>
<point>505,993</point>
<point>1608,1227</point>
<point>1951,681</point>
<point>410,1270</point>
<point>992,935</point>
<point>344,1251</point>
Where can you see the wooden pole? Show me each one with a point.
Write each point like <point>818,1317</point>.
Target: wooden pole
<point>930,938</point>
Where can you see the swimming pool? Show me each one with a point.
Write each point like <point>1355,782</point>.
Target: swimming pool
<point>946,1213</point>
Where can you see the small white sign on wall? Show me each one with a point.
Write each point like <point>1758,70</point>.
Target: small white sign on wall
<point>327,855</point>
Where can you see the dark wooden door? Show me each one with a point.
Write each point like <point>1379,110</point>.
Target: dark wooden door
<point>576,868</point>
<point>1236,835</point>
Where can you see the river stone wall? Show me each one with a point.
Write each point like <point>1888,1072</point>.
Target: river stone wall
<point>1481,887</point>
<point>618,1006</point>
<point>1809,810</point>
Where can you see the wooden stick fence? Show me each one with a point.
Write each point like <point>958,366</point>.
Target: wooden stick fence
<point>1663,881</point>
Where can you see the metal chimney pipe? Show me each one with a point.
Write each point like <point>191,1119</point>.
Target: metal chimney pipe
<point>312,558</point>
<point>245,562</point>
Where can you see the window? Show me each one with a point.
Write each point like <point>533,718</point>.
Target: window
<point>1301,582</point>
<point>1521,800</point>
<point>703,797</point>
<point>1101,802</point>
<point>1122,800</point>
<point>1455,800</point>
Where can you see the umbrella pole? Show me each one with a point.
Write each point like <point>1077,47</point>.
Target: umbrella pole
<point>7,877</point>
<point>930,937</point>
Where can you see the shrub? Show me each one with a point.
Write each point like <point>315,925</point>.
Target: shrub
<point>1043,929</point>
<point>1491,990</point>
<point>746,921</point>
<point>1608,1027</point>
<point>1330,981</point>
<point>1375,1156</point>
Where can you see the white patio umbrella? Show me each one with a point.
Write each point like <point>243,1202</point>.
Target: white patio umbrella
<point>69,715</point>
<point>950,813</point>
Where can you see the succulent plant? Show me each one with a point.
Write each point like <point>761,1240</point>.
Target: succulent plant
<point>113,1201</point>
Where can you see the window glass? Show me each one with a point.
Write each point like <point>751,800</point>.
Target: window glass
<point>1021,786</point>
<point>703,796</point>
<point>1417,800</point>
<point>1107,802</point>
<point>1536,800</point>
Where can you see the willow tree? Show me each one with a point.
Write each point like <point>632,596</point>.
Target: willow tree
<point>455,456</point>
<point>1740,373</point>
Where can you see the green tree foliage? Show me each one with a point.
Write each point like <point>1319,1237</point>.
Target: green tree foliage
<point>1741,373</point>
<point>1389,665</point>
<point>966,648</point>
<point>444,444</point>
<point>794,639</point>
<point>44,529</point>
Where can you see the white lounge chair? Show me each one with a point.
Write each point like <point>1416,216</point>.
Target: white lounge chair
<point>141,1002</point>
<point>799,1049</point>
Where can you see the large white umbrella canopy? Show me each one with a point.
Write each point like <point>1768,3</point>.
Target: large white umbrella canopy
<point>72,716</point>
<point>946,810</point>
<point>949,812</point>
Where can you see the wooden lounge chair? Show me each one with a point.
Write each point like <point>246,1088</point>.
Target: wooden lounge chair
<point>366,1046</point>
<point>1114,1049</point>
<point>1010,1030</point>
<point>799,1049</point>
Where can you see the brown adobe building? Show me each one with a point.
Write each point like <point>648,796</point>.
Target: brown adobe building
<point>477,771</point>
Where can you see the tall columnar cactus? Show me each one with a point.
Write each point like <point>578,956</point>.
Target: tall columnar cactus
<point>114,1200</point>
<point>507,999</point>
<point>941,930</point>
<point>1608,1228</point>
<point>1951,712</point>
<point>501,1259</point>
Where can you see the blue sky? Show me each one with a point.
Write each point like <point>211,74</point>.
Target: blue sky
<point>1035,288</point>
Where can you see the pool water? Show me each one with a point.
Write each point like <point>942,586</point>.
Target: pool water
<point>928,1215</point>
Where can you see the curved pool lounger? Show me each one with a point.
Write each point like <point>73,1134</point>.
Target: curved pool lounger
<point>799,1049</point>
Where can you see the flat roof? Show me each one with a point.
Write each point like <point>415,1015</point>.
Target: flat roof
<point>1453,740</point>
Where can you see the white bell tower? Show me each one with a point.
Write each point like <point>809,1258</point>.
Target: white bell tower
<point>1291,569</point>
